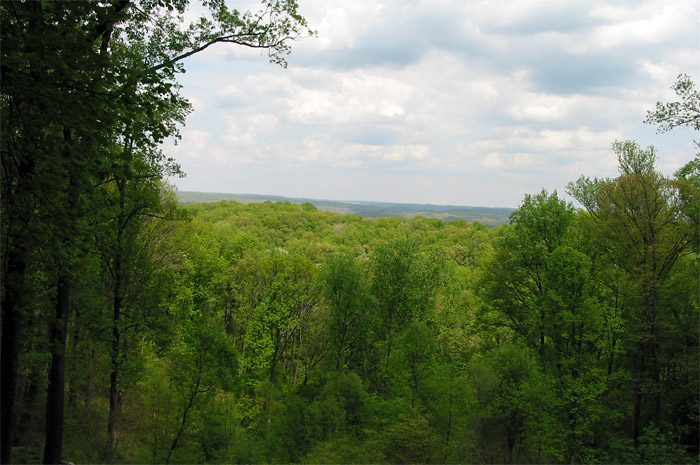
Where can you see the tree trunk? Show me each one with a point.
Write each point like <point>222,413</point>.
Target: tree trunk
<point>11,303</point>
<point>55,394</point>
<point>656,369</point>
<point>75,342</point>
<point>638,396</point>
<point>114,393</point>
<point>14,259</point>
<point>183,421</point>
<point>53,447</point>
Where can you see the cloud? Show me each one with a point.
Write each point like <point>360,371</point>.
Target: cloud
<point>441,101</point>
<point>193,145</point>
<point>248,130</point>
<point>492,160</point>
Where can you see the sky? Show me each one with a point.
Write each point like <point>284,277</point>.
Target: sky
<point>443,102</point>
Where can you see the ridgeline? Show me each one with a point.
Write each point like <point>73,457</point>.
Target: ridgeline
<point>485,215</point>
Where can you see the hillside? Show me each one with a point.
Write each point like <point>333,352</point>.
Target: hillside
<point>484,215</point>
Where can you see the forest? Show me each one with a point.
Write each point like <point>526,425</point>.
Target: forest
<point>489,216</point>
<point>137,330</point>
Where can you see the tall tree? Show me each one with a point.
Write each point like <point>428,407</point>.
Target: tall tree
<point>50,71</point>
<point>344,287</point>
<point>644,232</point>
<point>275,297</point>
<point>515,279</point>
<point>131,200</point>
<point>405,283</point>
<point>67,95</point>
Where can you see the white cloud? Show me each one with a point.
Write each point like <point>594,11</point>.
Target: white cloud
<point>346,97</point>
<point>441,94</point>
<point>546,109</point>
<point>405,152</point>
<point>492,160</point>
<point>523,159</point>
<point>245,130</point>
<point>549,143</point>
<point>193,145</point>
<point>651,22</point>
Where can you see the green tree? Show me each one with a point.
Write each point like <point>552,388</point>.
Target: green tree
<point>67,95</point>
<point>668,116</point>
<point>275,298</point>
<point>685,113</point>
<point>410,440</point>
<point>136,201</point>
<point>47,130</point>
<point>417,353</point>
<point>515,279</point>
<point>540,284</point>
<point>644,233</point>
<point>575,329</point>
<point>515,407</point>
<point>405,283</point>
<point>344,287</point>
<point>202,361</point>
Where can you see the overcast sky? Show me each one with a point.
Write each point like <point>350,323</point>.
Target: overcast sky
<point>440,101</point>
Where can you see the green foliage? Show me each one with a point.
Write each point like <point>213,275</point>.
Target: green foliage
<point>417,349</point>
<point>278,333</point>
<point>515,278</point>
<point>675,114</point>
<point>405,282</point>
<point>258,348</point>
<point>410,440</point>
<point>687,181</point>
<point>346,450</point>
<point>344,287</point>
<point>654,447</point>
<point>644,235</point>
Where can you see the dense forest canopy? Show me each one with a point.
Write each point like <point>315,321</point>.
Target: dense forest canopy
<point>135,330</point>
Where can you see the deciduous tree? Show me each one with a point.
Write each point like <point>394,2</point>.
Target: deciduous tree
<point>75,74</point>
<point>644,232</point>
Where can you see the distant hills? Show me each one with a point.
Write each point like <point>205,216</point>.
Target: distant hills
<point>485,215</point>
